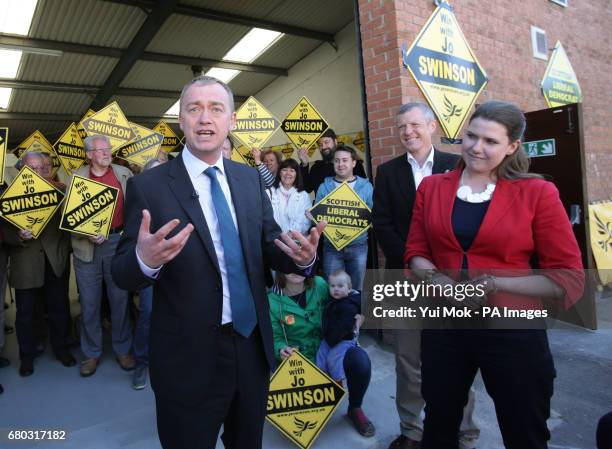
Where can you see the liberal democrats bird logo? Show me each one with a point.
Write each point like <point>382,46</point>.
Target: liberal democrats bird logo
<point>605,233</point>
<point>452,110</point>
<point>302,426</point>
<point>33,221</point>
<point>99,224</point>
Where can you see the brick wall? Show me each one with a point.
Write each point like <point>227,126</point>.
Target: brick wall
<point>499,34</point>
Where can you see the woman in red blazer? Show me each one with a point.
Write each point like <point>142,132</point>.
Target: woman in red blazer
<point>481,224</point>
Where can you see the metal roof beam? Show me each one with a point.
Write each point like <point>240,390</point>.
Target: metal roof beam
<point>69,47</point>
<point>209,14</point>
<point>51,117</point>
<point>93,90</point>
<point>163,9</point>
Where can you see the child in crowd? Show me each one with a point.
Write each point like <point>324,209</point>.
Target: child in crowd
<point>340,327</point>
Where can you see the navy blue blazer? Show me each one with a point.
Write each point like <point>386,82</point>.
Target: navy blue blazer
<point>188,294</point>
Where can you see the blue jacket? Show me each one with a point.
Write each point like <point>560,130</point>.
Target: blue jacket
<point>362,187</point>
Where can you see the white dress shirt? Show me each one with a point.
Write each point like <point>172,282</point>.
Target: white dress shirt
<point>420,172</point>
<point>201,184</point>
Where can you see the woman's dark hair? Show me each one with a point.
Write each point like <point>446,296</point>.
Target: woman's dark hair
<point>290,163</point>
<point>281,280</point>
<point>515,165</point>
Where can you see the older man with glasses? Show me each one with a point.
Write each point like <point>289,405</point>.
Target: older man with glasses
<point>92,261</point>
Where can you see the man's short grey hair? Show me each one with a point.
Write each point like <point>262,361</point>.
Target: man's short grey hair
<point>89,140</point>
<point>426,110</point>
<point>28,155</point>
<point>204,80</point>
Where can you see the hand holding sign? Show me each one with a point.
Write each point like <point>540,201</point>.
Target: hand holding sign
<point>301,249</point>
<point>256,152</point>
<point>154,249</point>
<point>25,234</point>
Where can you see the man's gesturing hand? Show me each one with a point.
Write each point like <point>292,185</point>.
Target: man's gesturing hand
<point>301,249</point>
<point>154,249</point>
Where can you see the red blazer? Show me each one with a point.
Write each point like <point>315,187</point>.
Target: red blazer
<point>525,216</point>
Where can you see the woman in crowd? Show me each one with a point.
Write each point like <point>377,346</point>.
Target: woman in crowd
<point>353,257</point>
<point>289,200</point>
<point>266,163</point>
<point>489,216</point>
<point>296,310</point>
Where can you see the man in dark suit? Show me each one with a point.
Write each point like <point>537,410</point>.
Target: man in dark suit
<point>394,191</point>
<point>211,345</point>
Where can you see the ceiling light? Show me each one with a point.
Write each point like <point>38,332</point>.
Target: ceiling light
<point>174,110</point>
<point>5,96</point>
<point>16,16</point>
<point>253,44</point>
<point>225,75</point>
<point>32,50</point>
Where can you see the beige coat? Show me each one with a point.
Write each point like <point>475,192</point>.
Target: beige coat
<point>83,249</point>
<point>27,267</point>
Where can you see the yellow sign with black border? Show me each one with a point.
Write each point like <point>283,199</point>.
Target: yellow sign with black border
<point>35,137</point>
<point>243,154</point>
<point>560,85</point>
<point>346,214</point>
<point>304,124</point>
<point>3,145</point>
<point>69,149</point>
<point>254,124</point>
<point>143,148</point>
<point>41,147</point>
<point>301,400</point>
<point>287,150</point>
<point>30,201</point>
<point>355,140</point>
<point>445,68</point>
<point>80,128</point>
<point>90,206</point>
<point>600,219</point>
<point>110,122</point>
<point>171,140</point>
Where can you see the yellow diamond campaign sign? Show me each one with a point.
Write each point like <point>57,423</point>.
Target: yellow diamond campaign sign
<point>445,69</point>
<point>254,124</point>
<point>346,214</point>
<point>304,124</point>
<point>560,85</point>
<point>301,400</point>
<point>286,149</point>
<point>3,144</point>
<point>69,149</point>
<point>110,122</point>
<point>36,137</point>
<point>171,140</point>
<point>243,155</point>
<point>80,128</point>
<point>143,148</point>
<point>600,219</point>
<point>89,207</point>
<point>30,201</point>
<point>43,146</point>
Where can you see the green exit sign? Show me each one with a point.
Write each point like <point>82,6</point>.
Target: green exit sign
<point>540,148</point>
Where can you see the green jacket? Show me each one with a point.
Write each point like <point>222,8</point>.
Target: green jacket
<point>302,327</point>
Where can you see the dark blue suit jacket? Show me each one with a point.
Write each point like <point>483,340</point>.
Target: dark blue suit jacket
<point>188,294</point>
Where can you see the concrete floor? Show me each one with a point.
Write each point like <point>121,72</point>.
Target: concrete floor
<point>104,412</point>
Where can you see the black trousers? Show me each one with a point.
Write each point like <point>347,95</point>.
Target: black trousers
<point>518,373</point>
<point>54,293</point>
<point>236,399</point>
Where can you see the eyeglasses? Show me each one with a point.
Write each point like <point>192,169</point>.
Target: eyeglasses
<point>106,150</point>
